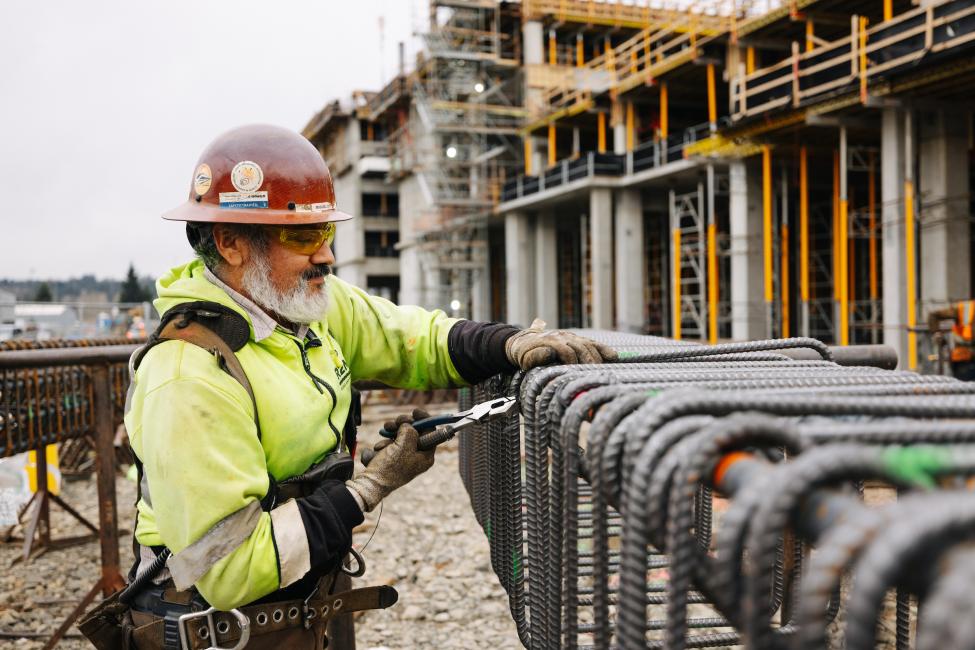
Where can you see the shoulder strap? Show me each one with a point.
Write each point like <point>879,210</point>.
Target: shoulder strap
<point>217,329</point>
<point>202,336</point>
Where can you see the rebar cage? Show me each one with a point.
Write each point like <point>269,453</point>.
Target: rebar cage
<point>673,499</point>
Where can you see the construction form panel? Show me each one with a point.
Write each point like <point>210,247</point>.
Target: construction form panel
<point>630,281</point>
<point>656,267</point>
<point>601,257</point>
<point>745,206</point>
<point>570,271</point>
<point>944,208</point>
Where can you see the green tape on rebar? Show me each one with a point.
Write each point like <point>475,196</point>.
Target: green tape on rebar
<point>917,465</point>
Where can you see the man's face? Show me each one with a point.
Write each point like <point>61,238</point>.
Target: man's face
<point>288,283</point>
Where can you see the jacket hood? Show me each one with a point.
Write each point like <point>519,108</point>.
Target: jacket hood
<point>187,283</point>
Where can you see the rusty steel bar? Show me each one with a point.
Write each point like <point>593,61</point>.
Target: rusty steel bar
<point>111,579</point>
<point>66,357</point>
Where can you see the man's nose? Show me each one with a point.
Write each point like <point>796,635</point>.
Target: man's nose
<point>323,255</point>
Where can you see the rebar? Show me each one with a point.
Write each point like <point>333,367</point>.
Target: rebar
<point>607,533</point>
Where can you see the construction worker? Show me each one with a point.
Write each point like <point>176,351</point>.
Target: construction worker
<point>248,384</point>
<point>962,316</point>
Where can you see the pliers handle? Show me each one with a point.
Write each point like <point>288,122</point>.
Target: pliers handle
<point>444,427</point>
<point>427,425</point>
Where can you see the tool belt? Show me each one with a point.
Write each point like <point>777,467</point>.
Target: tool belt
<point>179,621</point>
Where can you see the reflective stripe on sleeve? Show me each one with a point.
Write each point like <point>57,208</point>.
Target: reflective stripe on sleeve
<point>190,564</point>
<point>291,540</point>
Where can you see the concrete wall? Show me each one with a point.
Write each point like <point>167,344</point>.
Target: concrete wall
<point>350,235</point>
<point>411,205</point>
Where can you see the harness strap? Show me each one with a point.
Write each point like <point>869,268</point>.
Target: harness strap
<point>192,331</point>
<point>224,333</point>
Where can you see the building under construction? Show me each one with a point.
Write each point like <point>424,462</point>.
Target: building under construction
<point>707,170</point>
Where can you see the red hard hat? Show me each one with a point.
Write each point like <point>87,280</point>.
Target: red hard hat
<point>260,174</point>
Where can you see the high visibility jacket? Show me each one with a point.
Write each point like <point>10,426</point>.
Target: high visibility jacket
<point>962,331</point>
<point>205,467</point>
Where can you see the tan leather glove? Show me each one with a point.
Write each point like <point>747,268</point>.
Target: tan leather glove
<point>396,463</point>
<point>537,346</point>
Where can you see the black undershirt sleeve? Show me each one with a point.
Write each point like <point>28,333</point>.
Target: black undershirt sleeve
<point>329,514</point>
<point>477,349</point>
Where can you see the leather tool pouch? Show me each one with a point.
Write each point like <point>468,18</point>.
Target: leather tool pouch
<point>109,625</point>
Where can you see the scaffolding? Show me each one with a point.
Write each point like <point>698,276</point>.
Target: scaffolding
<point>460,142</point>
<point>665,98</point>
<point>669,37</point>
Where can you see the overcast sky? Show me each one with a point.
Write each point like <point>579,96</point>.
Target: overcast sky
<point>105,106</point>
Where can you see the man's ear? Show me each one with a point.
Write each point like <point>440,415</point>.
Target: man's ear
<point>233,248</point>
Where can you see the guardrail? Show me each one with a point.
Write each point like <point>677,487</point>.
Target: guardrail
<point>857,60</point>
<point>671,500</point>
<point>590,165</point>
<point>648,155</point>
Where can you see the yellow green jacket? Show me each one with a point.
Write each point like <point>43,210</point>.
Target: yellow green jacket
<point>205,468</point>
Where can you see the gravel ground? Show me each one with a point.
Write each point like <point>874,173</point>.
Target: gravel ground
<point>427,545</point>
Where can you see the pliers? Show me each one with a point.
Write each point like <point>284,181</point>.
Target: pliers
<point>444,427</point>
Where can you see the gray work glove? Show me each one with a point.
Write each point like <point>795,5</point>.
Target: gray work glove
<point>537,347</point>
<point>396,463</point>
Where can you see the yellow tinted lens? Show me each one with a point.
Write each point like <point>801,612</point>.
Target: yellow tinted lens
<point>306,240</point>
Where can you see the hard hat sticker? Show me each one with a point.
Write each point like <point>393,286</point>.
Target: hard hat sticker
<point>202,179</point>
<point>247,176</point>
<point>314,207</point>
<point>242,200</point>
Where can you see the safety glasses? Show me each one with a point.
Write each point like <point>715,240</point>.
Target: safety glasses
<point>303,239</point>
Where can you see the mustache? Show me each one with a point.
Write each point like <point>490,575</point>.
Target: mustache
<point>317,271</point>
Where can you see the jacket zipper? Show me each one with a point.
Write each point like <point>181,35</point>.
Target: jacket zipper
<point>319,384</point>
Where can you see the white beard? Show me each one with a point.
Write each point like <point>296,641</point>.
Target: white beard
<point>299,305</point>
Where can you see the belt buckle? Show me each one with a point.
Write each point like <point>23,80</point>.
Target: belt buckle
<point>308,613</point>
<point>242,621</point>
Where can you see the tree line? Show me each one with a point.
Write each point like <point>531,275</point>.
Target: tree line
<point>132,289</point>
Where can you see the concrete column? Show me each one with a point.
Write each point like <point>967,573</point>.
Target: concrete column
<point>892,224</point>
<point>539,156</point>
<point>533,51</point>
<point>747,280</point>
<point>519,255</point>
<point>630,266</point>
<point>944,213</point>
<point>410,277</point>
<point>619,138</point>
<point>601,256</point>
<point>547,269</point>
<point>433,294</point>
<point>481,293</point>
<point>411,205</point>
<point>533,42</point>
